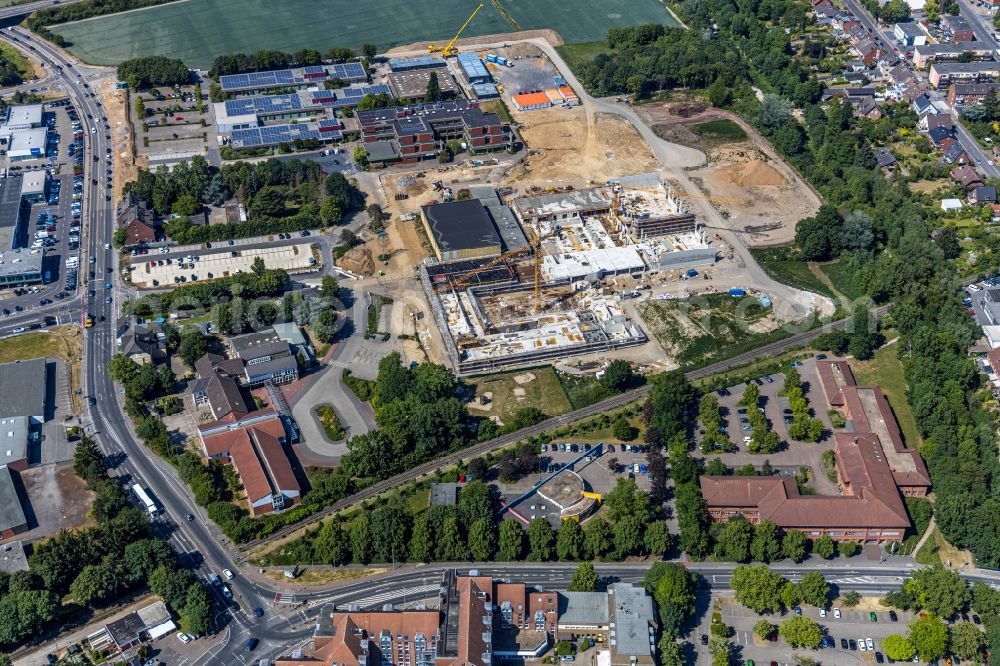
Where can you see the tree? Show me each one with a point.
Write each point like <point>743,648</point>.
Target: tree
<point>597,538</point>
<point>627,536</point>
<point>623,430</point>
<point>898,647</point>
<point>824,547</point>
<point>763,629</point>
<point>802,632</point>
<point>939,590</point>
<point>721,650</point>
<point>733,540</point>
<point>657,539</point>
<point>482,540</point>
<point>569,541</point>
<point>585,579</point>
<point>895,11</point>
<point>719,93</point>
<point>930,636</point>
<point>360,537</point>
<point>450,544</point>
<point>670,651</point>
<point>95,584</point>
<point>814,589</point>
<point>848,548</point>
<point>766,543</point>
<point>850,598</point>
<point>5,660</point>
<point>196,616</point>
<point>618,376</point>
<point>673,587</point>
<point>511,542</point>
<point>421,540</point>
<point>757,587</point>
<point>794,545</point>
<point>142,557</point>
<point>433,93</point>
<point>541,540</point>
<point>193,345</point>
<point>122,369</point>
<point>774,111</point>
<point>185,205</point>
<point>966,640</point>
<point>368,50</point>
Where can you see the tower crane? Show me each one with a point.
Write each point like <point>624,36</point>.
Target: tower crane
<point>449,49</point>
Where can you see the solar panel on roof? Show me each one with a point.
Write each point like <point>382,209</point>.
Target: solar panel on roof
<point>349,71</point>
<point>314,69</point>
<point>273,135</point>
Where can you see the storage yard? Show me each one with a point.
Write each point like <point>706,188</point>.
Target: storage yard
<point>149,271</point>
<point>198,31</point>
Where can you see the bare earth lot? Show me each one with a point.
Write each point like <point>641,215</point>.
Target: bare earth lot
<point>757,193</point>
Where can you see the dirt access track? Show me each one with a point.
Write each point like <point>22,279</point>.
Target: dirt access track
<point>758,195</point>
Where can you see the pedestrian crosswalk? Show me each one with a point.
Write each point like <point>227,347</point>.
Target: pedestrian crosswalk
<point>409,594</point>
<point>284,598</point>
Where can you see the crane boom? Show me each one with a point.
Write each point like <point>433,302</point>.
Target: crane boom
<point>449,49</point>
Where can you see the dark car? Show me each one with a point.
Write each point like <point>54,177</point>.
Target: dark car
<point>878,658</point>
<point>704,639</point>
<point>91,400</point>
<point>852,645</point>
<point>189,517</point>
<point>252,644</point>
<point>892,616</point>
<point>843,643</point>
<point>258,612</point>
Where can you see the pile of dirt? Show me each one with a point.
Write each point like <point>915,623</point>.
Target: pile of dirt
<point>754,173</point>
<point>358,261</point>
<point>523,50</point>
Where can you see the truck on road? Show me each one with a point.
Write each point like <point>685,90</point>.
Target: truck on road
<point>144,498</point>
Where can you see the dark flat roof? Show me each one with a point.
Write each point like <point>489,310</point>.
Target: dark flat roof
<point>11,513</point>
<point>22,388</point>
<point>460,225</point>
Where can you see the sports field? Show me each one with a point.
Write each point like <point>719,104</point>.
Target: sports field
<point>198,30</point>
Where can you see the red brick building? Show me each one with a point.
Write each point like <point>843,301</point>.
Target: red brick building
<point>874,467</point>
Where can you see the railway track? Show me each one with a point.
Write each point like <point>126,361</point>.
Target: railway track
<point>491,445</point>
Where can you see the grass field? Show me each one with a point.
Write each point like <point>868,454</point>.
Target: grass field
<point>579,54</point>
<point>719,132</point>
<point>198,30</point>
<point>885,371</point>
<point>543,392</point>
<point>783,266</point>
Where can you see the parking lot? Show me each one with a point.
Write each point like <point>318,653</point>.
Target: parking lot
<point>173,126</point>
<point>528,74</point>
<point>847,633</point>
<point>151,270</point>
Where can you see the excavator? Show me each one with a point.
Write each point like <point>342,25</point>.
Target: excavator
<point>449,50</point>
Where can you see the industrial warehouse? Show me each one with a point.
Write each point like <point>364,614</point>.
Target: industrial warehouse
<point>501,300</point>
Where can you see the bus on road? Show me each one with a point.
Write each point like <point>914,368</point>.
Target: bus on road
<point>147,501</point>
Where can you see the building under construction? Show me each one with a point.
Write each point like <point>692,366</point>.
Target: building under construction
<point>535,300</point>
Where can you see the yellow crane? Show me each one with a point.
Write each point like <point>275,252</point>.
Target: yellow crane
<point>449,49</point>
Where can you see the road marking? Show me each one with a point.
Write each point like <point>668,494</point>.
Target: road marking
<point>395,594</point>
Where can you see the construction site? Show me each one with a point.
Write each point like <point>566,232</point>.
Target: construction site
<point>523,281</point>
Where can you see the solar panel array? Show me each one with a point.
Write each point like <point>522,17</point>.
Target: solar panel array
<point>255,106</point>
<point>352,95</point>
<point>347,71</point>
<point>273,135</point>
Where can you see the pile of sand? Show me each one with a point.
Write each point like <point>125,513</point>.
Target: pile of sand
<point>523,50</point>
<point>754,173</point>
<point>358,261</point>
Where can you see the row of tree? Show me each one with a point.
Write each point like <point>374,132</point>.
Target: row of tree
<point>148,71</point>
<point>267,59</point>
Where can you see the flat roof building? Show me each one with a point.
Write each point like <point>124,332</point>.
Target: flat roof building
<point>247,112</point>
<point>24,116</point>
<point>35,186</point>
<point>13,221</point>
<point>22,389</point>
<point>20,267</point>
<point>623,616</point>
<point>418,62</point>
<point>27,144</point>
<point>943,73</point>
<point>460,230</point>
<point>412,84</point>
<point>298,78</point>
<point>473,68</point>
<point>14,442</point>
<point>12,519</point>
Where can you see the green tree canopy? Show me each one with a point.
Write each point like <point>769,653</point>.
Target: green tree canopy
<point>585,579</point>
<point>758,588</point>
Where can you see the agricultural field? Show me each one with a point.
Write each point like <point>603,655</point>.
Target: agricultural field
<point>198,30</point>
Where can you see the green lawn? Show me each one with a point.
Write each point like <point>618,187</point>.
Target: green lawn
<point>782,265</point>
<point>15,57</point>
<point>581,53</point>
<point>509,395</point>
<point>842,278</point>
<point>718,132</point>
<point>886,372</point>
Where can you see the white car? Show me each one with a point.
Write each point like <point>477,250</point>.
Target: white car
<point>870,643</point>
<point>836,613</point>
<point>862,645</point>
<point>822,612</point>
<point>184,638</point>
<point>228,574</point>
<point>107,246</point>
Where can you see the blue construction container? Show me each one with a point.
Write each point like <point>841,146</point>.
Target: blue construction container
<point>764,300</point>
<point>736,292</point>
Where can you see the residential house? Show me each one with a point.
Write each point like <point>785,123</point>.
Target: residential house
<point>933,120</point>
<point>922,105</point>
<point>868,108</point>
<point>885,160</point>
<point>952,152</point>
<point>985,194</point>
<point>939,135</point>
<point>967,177</point>
<point>141,343</point>
<point>957,28</point>
<point>995,217</point>
<point>137,221</point>
<point>967,94</point>
<point>218,386</point>
<point>942,74</point>
<point>254,444</point>
<point>866,50</point>
<point>125,635</point>
<point>824,9</point>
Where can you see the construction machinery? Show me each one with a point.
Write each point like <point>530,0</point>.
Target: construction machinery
<point>449,50</point>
